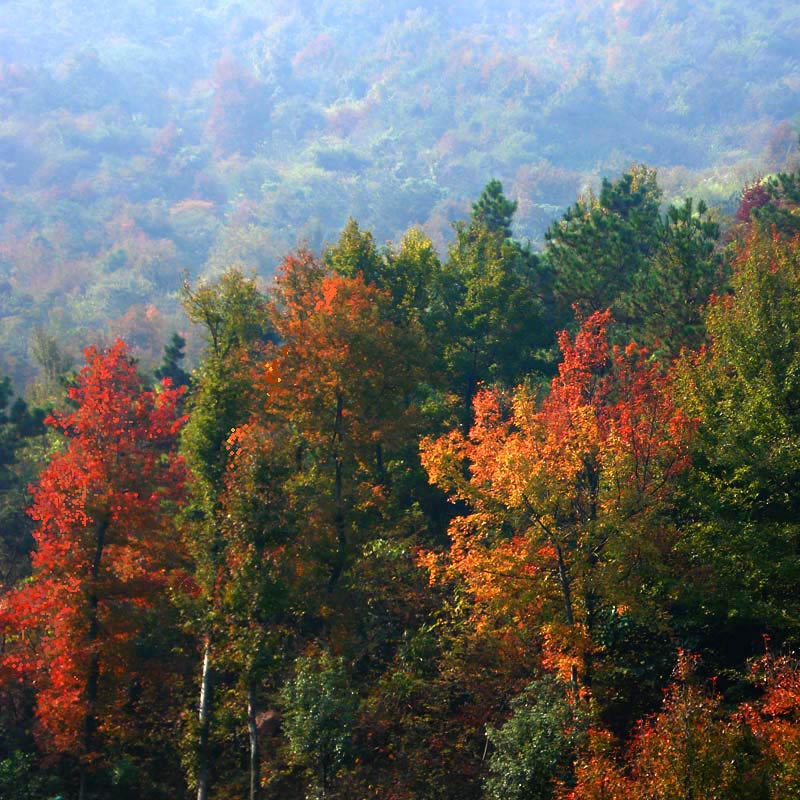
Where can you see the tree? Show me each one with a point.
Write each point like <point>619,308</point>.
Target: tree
<point>323,418</point>
<point>667,299</point>
<point>320,708</point>
<point>239,118</point>
<point>616,251</point>
<point>535,747</point>
<point>493,210</point>
<point>414,278</point>
<point>774,203</point>
<point>355,253</point>
<point>170,366</point>
<point>689,749</point>
<point>105,556</point>
<point>570,492</point>
<point>342,379</point>
<point>494,320</point>
<point>17,425</point>
<point>742,496</point>
<point>234,314</point>
<point>775,722</point>
<point>255,583</point>
<point>603,244</point>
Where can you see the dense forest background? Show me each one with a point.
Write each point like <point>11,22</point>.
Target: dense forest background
<point>141,140</point>
<point>399,402</point>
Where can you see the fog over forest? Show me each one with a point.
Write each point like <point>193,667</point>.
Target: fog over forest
<point>142,139</point>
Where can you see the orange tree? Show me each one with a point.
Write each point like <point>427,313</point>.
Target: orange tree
<point>689,749</point>
<point>105,555</point>
<point>323,455</point>
<point>342,379</point>
<point>566,497</point>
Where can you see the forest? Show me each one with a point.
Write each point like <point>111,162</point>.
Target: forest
<point>507,524</point>
<point>399,401</point>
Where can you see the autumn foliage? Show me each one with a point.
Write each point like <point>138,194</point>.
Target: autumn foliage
<point>404,552</point>
<point>562,492</point>
<point>341,380</point>
<point>105,555</point>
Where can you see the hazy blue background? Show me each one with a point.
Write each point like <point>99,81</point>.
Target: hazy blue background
<point>139,139</point>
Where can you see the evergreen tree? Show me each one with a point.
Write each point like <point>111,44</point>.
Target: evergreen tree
<point>665,306</point>
<point>495,322</point>
<point>493,210</point>
<point>170,366</point>
<point>603,244</point>
<point>18,425</point>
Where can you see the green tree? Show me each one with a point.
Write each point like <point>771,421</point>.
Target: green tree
<point>494,210</point>
<point>355,253</point>
<point>535,747</point>
<point>603,244</point>
<point>234,314</point>
<point>319,715</point>
<point>170,366</point>
<point>495,322</point>
<point>414,279</point>
<point>411,273</point>
<point>745,504</point>
<point>665,306</point>
<point>254,585</point>
<point>18,425</point>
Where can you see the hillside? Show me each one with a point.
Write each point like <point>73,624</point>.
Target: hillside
<point>138,141</point>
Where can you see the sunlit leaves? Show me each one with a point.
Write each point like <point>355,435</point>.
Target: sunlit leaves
<point>566,491</point>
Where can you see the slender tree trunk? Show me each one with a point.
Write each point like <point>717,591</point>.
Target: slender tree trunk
<point>590,600</point>
<point>338,501</point>
<point>566,592</point>
<point>82,783</point>
<point>93,676</point>
<point>205,705</point>
<point>563,579</point>
<point>255,756</point>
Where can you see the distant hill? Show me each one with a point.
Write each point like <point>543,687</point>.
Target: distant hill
<point>141,139</point>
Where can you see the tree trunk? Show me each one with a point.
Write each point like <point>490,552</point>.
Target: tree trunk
<point>205,705</point>
<point>93,676</point>
<point>338,501</point>
<point>82,783</point>
<point>255,757</point>
<point>566,592</point>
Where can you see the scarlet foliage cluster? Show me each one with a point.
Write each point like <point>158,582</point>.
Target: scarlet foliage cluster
<point>775,721</point>
<point>105,552</point>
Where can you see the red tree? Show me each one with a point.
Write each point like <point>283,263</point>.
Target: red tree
<point>775,722</point>
<point>689,749</point>
<point>104,556</point>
